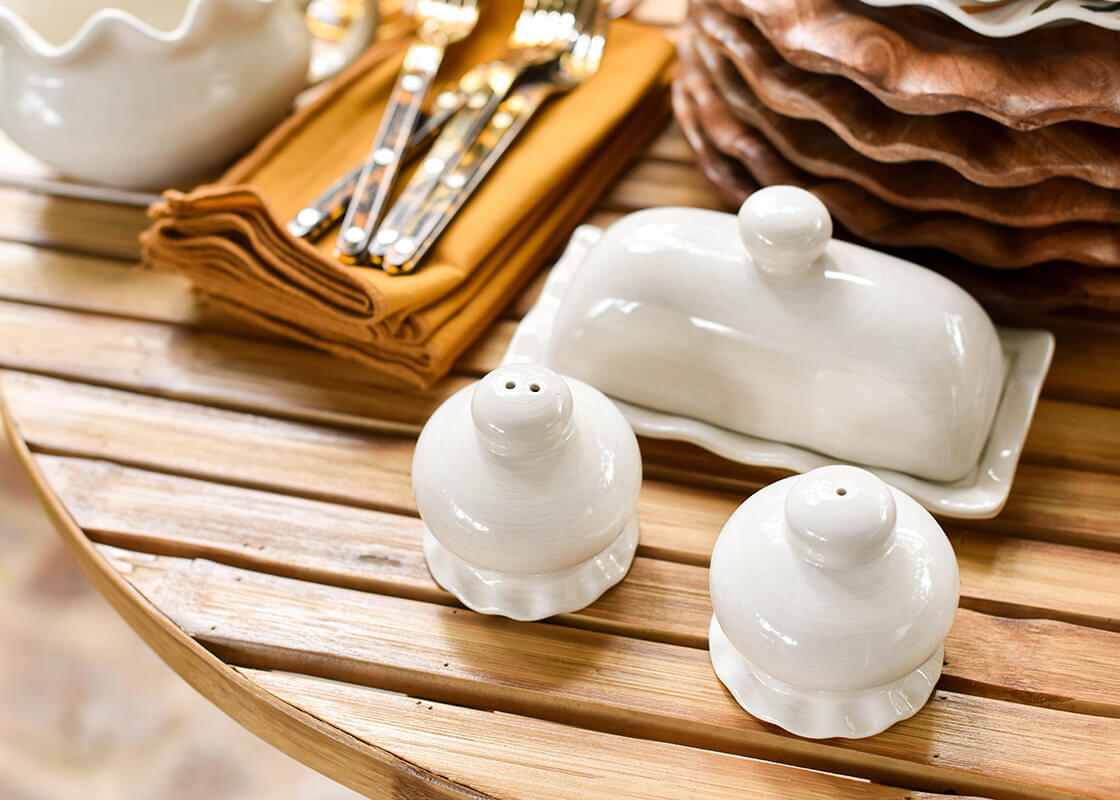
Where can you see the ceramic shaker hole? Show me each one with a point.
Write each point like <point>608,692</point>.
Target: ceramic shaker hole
<point>521,410</point>
<point>840,517</point>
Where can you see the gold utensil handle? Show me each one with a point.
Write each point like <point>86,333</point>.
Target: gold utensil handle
<point>383,163</point>
<point>340,31</point>
<point>314,219</point>
<point>447,152</point>
<point>453,191</point>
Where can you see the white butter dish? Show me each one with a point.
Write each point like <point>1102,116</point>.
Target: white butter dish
<point>767,342</point>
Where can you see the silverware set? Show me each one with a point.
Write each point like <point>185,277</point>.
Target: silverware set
<point>555,46</point>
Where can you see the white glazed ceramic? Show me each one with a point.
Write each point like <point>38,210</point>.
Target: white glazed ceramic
<point>765,326</point>
<point>150,92</point>
<point>1001,19</point>
<point>854,354</point>
<point>527,483</point>
<point>832,595</point>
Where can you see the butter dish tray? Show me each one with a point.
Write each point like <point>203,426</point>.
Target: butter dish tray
<point>1018,372</point>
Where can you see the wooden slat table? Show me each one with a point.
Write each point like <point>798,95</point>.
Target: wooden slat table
<point>245,504</point>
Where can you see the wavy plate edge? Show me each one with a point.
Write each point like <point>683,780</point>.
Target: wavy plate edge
<point>1024,19</point>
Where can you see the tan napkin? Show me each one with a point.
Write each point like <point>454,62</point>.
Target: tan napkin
<point>230,237</point>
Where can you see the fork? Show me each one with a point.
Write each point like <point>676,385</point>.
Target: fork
<point>543,31</point>
<point>317,216</point>
<point>574,66</point>
<point>440,23</point>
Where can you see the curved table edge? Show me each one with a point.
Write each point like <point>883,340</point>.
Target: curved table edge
<point>315,743</point>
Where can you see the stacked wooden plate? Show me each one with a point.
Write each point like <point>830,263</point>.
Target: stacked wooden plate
<point>919,132</point>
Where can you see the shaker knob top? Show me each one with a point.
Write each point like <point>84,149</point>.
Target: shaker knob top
<point>521,409</point>
<point>840,517</point>
<point>784,229</point>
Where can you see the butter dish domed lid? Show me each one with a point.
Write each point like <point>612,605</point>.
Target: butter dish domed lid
<point>527,483</point>
<point>832,595</point>
<point>764,339</point>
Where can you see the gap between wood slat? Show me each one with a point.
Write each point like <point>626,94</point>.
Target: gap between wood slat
<point>1081,371</point>
<point>297,383</point>
<point>660,550</point>
<point>613,684</point>
<point>86,226</point>
<point>199,441</point>
<point>53,187</point>
<point>79,226</point>
<point>1003,576</point>
<point>1040,663</point>
<point>521,757</point>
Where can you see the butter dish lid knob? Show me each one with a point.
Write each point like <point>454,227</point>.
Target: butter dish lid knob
<point>840,517</point>
<point>521,409</point>
<point>784,228</point>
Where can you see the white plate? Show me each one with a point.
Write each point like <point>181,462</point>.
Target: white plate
<point>980,494</point>
<point>998,20</point>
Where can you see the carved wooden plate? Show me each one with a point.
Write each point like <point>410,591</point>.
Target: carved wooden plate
<point>982,150</point>
<point>1049,287</point>
<point>919,185</point>
<point>921,63</point>
<point>869,217</point>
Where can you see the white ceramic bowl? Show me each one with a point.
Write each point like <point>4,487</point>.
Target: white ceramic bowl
<point>832,595</point>
<point>151,92</point>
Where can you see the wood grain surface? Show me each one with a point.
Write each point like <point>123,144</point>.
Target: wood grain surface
<point>245,503</point>
<point>661,600</point>
<point>871,218</point>
<point>527,754</point>
<point>980,149</point>
<point>1064,505</point>
<point>603,682</point>
<point>668,176</point>
<point>922,63</point>
<point>921,185</point>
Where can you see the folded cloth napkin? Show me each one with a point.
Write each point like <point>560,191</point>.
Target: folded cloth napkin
<point>230,237</point>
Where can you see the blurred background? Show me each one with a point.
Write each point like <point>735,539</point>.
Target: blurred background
<point>87,710</point>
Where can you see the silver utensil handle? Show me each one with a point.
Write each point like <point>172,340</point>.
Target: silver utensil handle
<point>456,188</point>
<point>447,152</point>
<point>383,163</point>
<point>315,218</point>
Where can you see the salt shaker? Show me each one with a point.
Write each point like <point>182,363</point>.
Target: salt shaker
<point>832,595</point>
<point>527,483</point>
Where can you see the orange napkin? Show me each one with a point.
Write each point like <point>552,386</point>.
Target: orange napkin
<point>230,237</point>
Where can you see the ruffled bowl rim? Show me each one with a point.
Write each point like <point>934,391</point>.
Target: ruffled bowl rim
<point>121,26</point>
